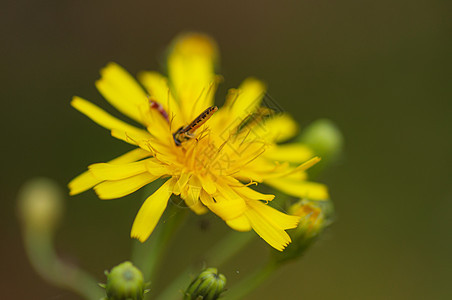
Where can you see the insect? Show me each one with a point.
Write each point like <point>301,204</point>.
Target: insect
<point>254,118</point>
<point>155,105</point>
<point>184,133</point>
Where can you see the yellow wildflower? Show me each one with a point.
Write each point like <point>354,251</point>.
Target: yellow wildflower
<point>210,167</point>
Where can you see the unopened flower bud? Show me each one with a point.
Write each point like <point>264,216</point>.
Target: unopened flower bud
<point>207,286</point>
<point>315,216</point>
<point>324,138</point>
<point>312,217</point>
<point>125,282</point>
<point>40,205</point>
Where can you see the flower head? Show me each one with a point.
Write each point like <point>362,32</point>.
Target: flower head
<point>209,156</point>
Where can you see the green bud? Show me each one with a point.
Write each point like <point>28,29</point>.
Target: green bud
<point>324,138</point>
<point>315,216</point>
<point>207,286</point>
<point>125,282</point>
<point>40,205</point>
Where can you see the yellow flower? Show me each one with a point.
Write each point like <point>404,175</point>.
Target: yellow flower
<point>211,167</point>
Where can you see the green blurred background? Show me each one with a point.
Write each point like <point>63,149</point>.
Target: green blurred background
<point>380,69</point>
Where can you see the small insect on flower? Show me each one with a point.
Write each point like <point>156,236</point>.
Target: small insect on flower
<point>184,133</point>
<point>254,119</point>
<point>155,105</point>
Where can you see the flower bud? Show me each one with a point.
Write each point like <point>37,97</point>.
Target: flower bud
<point>125,282</point>
<point>315,216</point>
<point>40,205</point>
<point>312,217</point>
<point>207,286</point>
<point>324,138</point>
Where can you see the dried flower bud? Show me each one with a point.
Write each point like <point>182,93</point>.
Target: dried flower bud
<point>207,286</point>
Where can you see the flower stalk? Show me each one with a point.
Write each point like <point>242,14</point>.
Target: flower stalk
<point>217,256</point>
<point>40,209</point>
<point>253,281</point>
<point>149,255</point>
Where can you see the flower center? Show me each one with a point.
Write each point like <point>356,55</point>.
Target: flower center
<point>205,156</point>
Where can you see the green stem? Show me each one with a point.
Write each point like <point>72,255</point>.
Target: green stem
<point>40,251</point>
<point>148,256</point>
<point>250,283</point>
<point>226,248</point>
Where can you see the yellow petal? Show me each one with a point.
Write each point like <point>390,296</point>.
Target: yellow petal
<point>103,118</point>
<point>159,127</point>
<point>194,189</point>
<point>306,165</point>
<point>122,91</point>
<point>261,168</point>
<point>293,153</point>
<point>279,128</point>
<point>181,182</point>
<point>162,152</point>
<point>131,156</point>
<point>226,191</point>
<point>82,182</point>
<point>121,188</point>
<point>198,208</point>
<point>191,72</point>
<point>273,235</point>
<point>240,224</point>
<point>156,168</point>
<point>158,88</point>
<point>240,103</point>
<point>250,94</point>
<point>290,172</point>
<point>206,198</point>
<point>300,188</point>
<point>277,218</point>
<point>107,171</point>
<point>87,180</point>
<point>151,211</point>
<point>208,184</point>
<point>250,174</point>
<point>131,137</point>
<point>252,194</point>
<point>227,209</point>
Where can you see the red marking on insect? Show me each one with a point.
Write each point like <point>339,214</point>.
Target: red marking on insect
<point>155,105</point>
<point>185,133</point>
